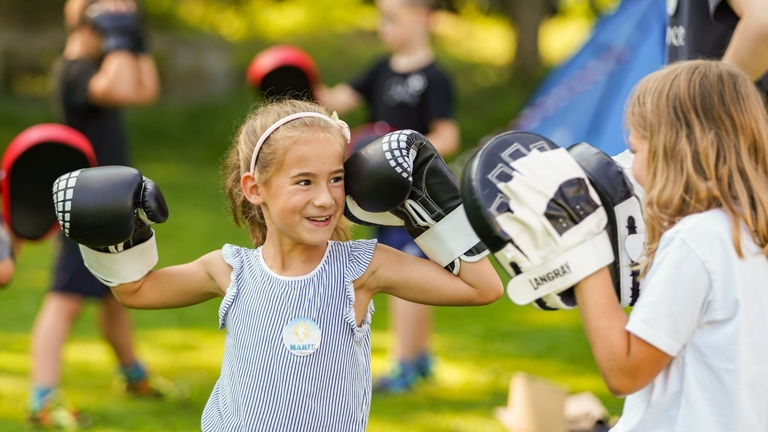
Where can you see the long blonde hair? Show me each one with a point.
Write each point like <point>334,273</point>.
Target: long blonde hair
<point>707,132</point>
<point>271,156</point>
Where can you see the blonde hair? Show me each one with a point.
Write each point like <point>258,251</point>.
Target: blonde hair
<point>707,132</point>
<point>270,159</point>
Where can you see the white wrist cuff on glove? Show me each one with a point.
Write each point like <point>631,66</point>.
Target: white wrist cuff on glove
<point>561,272</point>
<point>382,219</point>
<point>130,265</point>
<point>448,239</point>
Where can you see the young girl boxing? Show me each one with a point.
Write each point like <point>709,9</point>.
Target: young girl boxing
<point>297,307</point>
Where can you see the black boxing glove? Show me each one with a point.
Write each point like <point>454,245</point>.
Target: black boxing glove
<point>401,180</point>
<point>108,211</point>
<point>119,29</point>
<point>140,39</point>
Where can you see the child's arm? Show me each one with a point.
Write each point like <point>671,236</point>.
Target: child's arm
<point>400,179</point>
<point>179,285</point>
<point>341,98</point>
<point>7,254</point>
<point>125,77</point>
<point>626,362</point>
<point>747,48</point>
<point>108,211</point>
<point>122,81</point>
<point>444,135</point>
<point>422,281</point>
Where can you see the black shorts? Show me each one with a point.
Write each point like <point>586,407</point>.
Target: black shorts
<point>70,274</point>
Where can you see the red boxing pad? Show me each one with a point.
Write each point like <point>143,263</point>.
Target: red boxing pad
<point>283,71</point>
<point>32,162</point>
<point>365,133</point>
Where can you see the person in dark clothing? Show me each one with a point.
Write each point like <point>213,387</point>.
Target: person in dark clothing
<point>734,31</point>
<point>105,66</point>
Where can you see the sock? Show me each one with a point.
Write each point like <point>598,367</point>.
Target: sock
<point>134,372</point>
<point>423,364</point>
<point>37,397</point>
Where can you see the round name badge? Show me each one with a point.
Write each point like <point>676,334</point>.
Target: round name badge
<point>301,336</point>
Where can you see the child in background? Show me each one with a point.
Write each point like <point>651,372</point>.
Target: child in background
<point>407,90</point>
<point>104,66</point>
<point>692,355</point>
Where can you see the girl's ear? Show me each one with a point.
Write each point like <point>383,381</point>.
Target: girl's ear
<point>251,189</point>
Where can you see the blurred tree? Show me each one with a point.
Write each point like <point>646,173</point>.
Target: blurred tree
<point>526,18</point>
<point>274,20</point>
<point>26,14</point>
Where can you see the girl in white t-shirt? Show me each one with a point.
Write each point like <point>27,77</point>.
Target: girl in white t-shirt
<point>692,355</point>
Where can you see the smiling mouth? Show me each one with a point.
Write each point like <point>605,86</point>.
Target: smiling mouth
<point>319,219</point>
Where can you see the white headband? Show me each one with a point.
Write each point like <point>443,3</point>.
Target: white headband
<point>333,119</point>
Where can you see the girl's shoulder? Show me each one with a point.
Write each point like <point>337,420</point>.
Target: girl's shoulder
<point>707,229</point>
<point>354,244</point>
<point>709,221</point>
<point>354,249</point>
<point>355,254</point>
<point>235,255</point>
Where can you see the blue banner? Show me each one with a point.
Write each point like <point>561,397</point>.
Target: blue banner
<point>583,99</point>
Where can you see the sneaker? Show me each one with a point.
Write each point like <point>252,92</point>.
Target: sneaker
<point>56,415</point>
<point>424,363</point>
<point>156,386</point>
<point>405,375</point>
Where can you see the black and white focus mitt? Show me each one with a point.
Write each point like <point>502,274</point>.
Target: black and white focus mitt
<point>539,213</point>
<point>622,199</point>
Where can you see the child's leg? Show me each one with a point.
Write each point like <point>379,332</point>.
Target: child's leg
<point>412,324</point>
<point>115,326</point>
<point>117,330</point>
<point>52,325</point>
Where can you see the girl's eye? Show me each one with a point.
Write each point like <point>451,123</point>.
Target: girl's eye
<point>337,179</point>
<point>304,183</point>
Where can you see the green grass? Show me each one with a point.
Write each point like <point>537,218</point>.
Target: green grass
<point>179,146</point>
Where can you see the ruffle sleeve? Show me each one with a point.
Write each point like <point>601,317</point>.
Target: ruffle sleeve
<point>233,255</point>
<point>359,258</point>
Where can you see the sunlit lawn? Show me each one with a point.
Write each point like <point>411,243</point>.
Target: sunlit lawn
<point>179,146</point>
<point>478,349</point>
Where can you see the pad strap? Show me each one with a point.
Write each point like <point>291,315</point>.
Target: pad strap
<point>630,249</point>
<point>561,272</point>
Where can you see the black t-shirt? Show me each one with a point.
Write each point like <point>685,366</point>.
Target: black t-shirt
<point>103,126</point>
<point>700,29</point>
<point>406,100</point>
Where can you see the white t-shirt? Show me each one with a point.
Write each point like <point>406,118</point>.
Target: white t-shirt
<point>706,307</point>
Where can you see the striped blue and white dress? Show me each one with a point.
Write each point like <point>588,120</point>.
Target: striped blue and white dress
<point>263,385</point>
